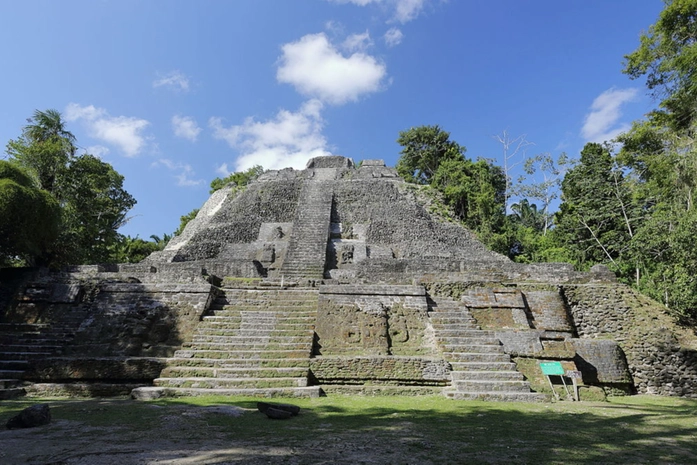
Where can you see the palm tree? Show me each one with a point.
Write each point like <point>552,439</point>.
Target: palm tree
<point>45,148</point>
<point>161,242</point>
<point>48,125</point>
<point>529,216</point>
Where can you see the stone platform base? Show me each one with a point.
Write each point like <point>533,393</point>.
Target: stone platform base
<point>362,390</point>
<point>81,389</point>
<point>150,392</point>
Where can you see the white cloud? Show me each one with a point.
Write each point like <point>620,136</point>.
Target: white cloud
<point>357,42</point>
<point>357,2</point>
<point>186,172</point>
<point>317,69</point>
<point>407,10</point>
<point>223,170</point>
<point>288,140</point>
<point>185,127</point>
<point>122,131</point>
<point>601,124</point>
<point>174,80</point>
<point>393,37</point>
<point>401,11</point>
<point>98,151</point>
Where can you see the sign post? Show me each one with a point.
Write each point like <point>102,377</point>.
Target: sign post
<point>575,376</point>
<point>556,369</point>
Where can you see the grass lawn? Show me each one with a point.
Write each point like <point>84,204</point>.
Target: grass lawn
<point>343,429</point>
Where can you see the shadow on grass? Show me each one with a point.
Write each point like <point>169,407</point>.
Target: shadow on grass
<point>399,430</point>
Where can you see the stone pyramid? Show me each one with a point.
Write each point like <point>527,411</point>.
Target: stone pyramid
<point>334,279</point>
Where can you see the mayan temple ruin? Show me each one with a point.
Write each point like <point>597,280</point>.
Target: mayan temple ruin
<point>333,279</point>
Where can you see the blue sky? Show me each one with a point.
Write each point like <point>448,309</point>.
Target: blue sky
<point>176,93</point>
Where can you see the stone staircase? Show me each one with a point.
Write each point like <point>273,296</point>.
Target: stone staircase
<point>481,369</point>
<point>20,343</point>
<point>253,342</point>
<point>307,248</point>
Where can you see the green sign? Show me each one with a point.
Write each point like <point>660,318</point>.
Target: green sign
<point>551,368</point>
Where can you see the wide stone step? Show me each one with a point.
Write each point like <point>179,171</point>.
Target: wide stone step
<point>483,366</point>
<point>245,346</point>
<point>22,327</point>
<point>230,320</point>
<point>42,348</point>
<point>495,396</point>
<point>261,304</point>
<point>11,374</point>
<point>309,391</point>
<point>475,357</point>
<point>477,348</point>
<point>245,363</point>
<point>10,383</point>
<point>451,318</point>
<point>23,340</point>
<point>217,330</point>
<point>12,393</point>
<point>230,383</point>
<point>491,386</point>
<point>9,364</point>
<point>244,372</point>
<point>23,355</point>
<point>448,331</point>
<point>248,354</point>
<point>294,294</point>
<point>486,375</point>
<point>261,316</point>
<point>253,338</point>
<point>476,340</point>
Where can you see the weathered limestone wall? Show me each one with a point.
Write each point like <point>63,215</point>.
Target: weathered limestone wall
<point>135,319</point>
<point>238,221</point>
<point>532,322</point>
<point>381,370</point>
<point>662,358</point>
<point>115,319</point>
<point>373,320</point>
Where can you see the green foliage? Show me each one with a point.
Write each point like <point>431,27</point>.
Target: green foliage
<point>424,148</point>
<point>240,179</point>
<point>549,173</point>
<point>184,220</point>
<point>596,217</point>
<point>664,249</point>
<point>29,217</point>
<point>93,203</point>
<point>95,206</point>
<point>132,249</point>
<point>667,57</point>
<point>475,191</point>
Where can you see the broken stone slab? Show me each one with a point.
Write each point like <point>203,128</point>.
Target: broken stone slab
<point>273,410</point>
<point>36,415</point>
<point>148,393</point>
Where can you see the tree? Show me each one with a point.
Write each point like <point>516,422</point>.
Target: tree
<point>29,217</point>
<point>512,147</point>
<point>95,207</point>
<point>44,148</point>
<point>597,216</point>
<point>546,190</point>
<point>161,242</point>
<point>528,216</point>
<point>424,148</point>
<point>474,190</point>
<point>89,191</point>
<point>667,56</point>
<point>240,178</point>
<point>184,220</point>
